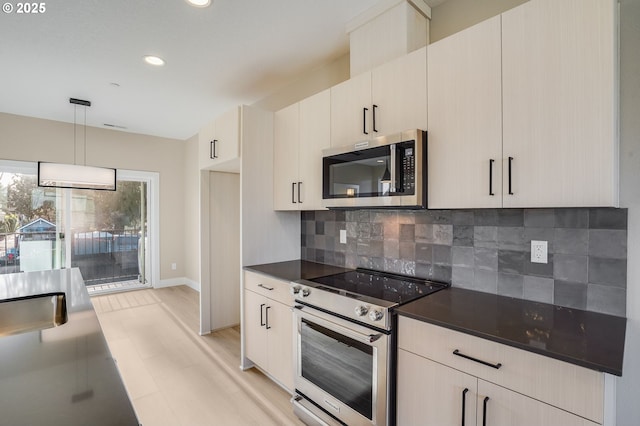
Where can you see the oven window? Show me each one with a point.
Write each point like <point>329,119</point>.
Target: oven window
<point>339,365</point>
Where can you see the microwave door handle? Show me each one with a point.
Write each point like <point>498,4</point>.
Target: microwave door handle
<point>392,187</point>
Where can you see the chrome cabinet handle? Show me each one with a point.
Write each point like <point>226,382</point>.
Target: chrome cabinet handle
<point>299,187</point>
<point>293,192</point>
<point>460,354</point>
<point>265,287</point>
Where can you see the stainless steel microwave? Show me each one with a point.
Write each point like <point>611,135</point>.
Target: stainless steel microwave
<point>389,171</point>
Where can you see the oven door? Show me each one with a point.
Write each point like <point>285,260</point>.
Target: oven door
<point>342,367</point>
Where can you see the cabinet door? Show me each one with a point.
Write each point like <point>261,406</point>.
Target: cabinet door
<point>315,135</point>
<point>350,123</point>
<point>559,106</point>
<point>433,394</point>
<point>465,125</point>
<point>255,335</point>
<point>205,145</point>
<point>228,136</point>
<point>285,158</point>
<point>507,408</point>
<point>399,93</point>
<point>279,320</point>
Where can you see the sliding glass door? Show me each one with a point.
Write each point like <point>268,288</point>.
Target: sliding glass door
<point>103,233</point>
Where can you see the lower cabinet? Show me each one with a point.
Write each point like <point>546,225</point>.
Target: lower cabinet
<point>430,393</point>
<point>450,378</point>
<point>268,334</point>
<point>433,394</point>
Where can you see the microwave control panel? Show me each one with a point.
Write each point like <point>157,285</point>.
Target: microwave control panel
<point>408,167</point>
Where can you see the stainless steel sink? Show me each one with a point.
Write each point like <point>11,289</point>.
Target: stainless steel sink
<point>30,313</point>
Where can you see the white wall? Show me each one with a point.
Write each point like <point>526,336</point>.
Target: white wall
<point>628,389</point>
<point>33,139</point>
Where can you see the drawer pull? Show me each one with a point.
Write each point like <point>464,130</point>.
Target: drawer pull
<point>464,400</point>
<point>488,364</point>
<point>265,287</point>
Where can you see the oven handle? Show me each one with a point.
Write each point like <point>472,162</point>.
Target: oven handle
<point>344,326</point>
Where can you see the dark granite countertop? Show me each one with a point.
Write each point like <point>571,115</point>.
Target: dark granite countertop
<point>62,375</point>
<point>293,270</point>
<point>588,339</point>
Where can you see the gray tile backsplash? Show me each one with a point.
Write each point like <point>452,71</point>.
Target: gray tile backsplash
<point>486,250</point>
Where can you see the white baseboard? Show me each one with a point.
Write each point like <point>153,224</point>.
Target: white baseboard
<point>171,282</point>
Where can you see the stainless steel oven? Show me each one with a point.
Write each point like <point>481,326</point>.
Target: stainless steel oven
<point>389,171</point>
<point>342,367</point>
<point>345,352</point>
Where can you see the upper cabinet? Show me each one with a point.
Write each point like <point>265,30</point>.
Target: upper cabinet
<point>522,109</point>
<point>465,119</point>
<point>301,132</point>
<point>559,64</point>
<point>389,99</point>
<point>219,143</point>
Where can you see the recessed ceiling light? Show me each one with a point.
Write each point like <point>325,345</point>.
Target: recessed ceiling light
<point>380,161</point>
<point>154,60</point>
<point>199,3</point>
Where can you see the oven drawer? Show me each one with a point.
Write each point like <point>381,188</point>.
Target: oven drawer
<point>272,288</point>
<point>564,385</point>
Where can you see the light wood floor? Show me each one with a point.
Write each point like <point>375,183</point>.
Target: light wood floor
<point>176,377</point>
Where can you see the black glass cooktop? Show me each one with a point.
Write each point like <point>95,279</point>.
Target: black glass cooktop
<point>380,285</point>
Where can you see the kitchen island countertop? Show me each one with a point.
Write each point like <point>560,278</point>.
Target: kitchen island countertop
<point>63,375</point>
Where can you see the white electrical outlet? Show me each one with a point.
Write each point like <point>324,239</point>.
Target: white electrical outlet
<point>539,251</point>
<point>343,236</point>
<point>174,266</point>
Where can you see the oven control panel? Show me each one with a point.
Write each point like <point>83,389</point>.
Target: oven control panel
<point>342,303</point>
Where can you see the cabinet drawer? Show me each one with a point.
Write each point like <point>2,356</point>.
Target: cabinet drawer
<point>270,287</point>
<point>564,385</point>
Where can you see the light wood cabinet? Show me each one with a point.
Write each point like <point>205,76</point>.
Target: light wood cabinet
<point>268,327</point>
<point>301,132</point>
<point>560,102</point>
<point>389,35</point>
<point>432,394</point>
<point>389,99</point>
<point>465,119</point>
<point>219,143</point>
<point>527,389</point>
<point>533,90</point>
<point>506,408</point>
<point>286,133</point>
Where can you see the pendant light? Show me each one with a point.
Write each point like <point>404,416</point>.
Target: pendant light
<point>58,175</point>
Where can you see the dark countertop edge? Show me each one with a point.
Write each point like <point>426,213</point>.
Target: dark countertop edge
<point>294,270</point>
<point>508,342</point>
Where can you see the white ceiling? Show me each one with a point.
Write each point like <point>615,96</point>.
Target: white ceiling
<point>232,52</point>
